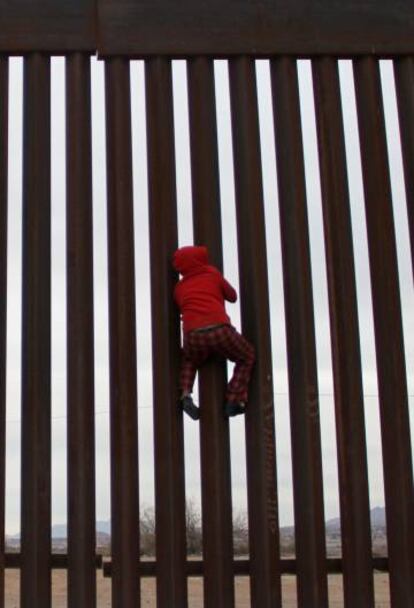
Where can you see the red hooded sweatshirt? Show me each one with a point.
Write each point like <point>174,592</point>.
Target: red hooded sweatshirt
<point>200,294</point>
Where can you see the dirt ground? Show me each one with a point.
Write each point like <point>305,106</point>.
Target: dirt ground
<point>195,591</point>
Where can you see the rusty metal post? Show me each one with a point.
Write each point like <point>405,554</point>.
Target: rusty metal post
<point>404,81</point>
<point>122,337</point>
<point>260,437</point>
<point>300,332</point>
<point>35,589</point>
<point>214,428</point>
<point>346,355</point>
<point>4,115</point>
<point>80,337</point>
<point>392,381</point>
<point>168,419</point>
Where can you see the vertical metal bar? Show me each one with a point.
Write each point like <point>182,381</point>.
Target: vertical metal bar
<point>392,382</point>
<point>214,428</point>
<point>4,116</point>
<point>122,336</point>
<point>36,335</point>
<point>168,420</point>
<point>80,337</point>
<point>346,355</point>
<point>260,437</point>
<point>300,332</point>
<point>404,81</point>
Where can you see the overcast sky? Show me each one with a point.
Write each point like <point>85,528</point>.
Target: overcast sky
<point>230,266</point>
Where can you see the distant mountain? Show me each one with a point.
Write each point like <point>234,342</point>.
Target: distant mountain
<point>104,526</point>
<point>378,517</point>
<point>333,524</point>
<point>61,531</point>
<point>377,520</point>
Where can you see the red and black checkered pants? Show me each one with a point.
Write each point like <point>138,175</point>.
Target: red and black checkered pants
<point>223,341</point>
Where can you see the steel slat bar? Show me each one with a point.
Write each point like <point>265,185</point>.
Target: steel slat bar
<point>346,355</point>
<point>214,428</point>
<point>300,332</point>
<point>58,561</point>
<point>122,337</point>
<point>260,438</point>
<point>36,336</point>
<point>404,81</point>
<point>4,107</point>
<point>392,383</point>
<point>241,567</point>
<point>80,338</point>
<point>168,420</point>
<point>49,27</point>
<point>300,28</point>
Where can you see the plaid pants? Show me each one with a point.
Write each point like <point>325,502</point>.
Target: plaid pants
<point>223,341</point>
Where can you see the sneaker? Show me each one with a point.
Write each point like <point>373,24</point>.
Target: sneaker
<point>234,408</point>
<point>189,407</point>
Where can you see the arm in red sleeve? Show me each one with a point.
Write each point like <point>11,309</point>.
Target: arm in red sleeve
<point>230,294</point>
<point>177,299</point>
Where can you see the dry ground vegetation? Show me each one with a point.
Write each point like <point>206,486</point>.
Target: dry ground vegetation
<point>195,584</point>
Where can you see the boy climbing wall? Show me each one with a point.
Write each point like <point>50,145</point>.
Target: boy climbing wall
<point>207,330</point>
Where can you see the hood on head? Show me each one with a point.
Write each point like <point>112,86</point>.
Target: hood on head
<point>187,259</point>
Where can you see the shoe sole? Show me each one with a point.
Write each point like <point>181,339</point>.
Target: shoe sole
<point>191,411</point>
<point>230,413</point>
